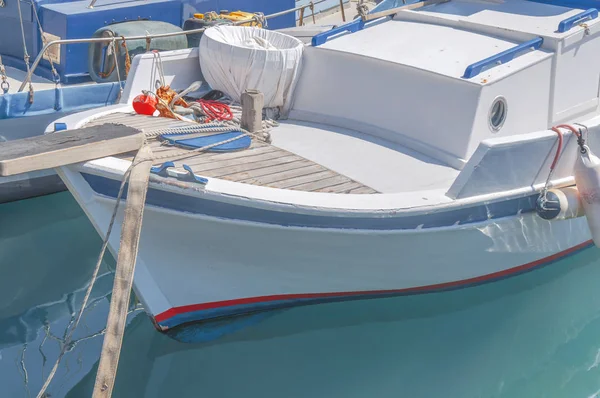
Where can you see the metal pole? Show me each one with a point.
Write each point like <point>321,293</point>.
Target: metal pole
<point>39,57</point>
<point>343,11</point>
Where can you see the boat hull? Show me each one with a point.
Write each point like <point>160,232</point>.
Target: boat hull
<point>30,185</point>
<point>196,267</point>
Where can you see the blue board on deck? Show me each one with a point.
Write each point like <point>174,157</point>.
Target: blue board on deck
<point>200,142</point>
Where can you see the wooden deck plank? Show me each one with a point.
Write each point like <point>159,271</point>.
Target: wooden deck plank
<point>164,150</point>
<point>219,163</point>
<point>261,164</point>
<point>310,168</point>
<point>342,188</point>
<point>277,173</point>
<point>320,184</point>
<point>217,170</point>
<point>363,189</point>
<point>209,157</point>
<point>291,182</point>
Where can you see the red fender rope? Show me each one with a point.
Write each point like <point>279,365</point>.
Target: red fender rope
<point>215,110</point>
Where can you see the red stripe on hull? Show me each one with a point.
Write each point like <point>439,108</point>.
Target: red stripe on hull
<point>440,286</point>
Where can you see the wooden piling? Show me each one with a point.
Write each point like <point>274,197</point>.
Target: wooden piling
<point>128,249</point>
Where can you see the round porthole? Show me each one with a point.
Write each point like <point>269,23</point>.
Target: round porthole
<point>498,113</point>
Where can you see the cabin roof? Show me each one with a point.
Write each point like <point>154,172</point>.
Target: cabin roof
<point>434,48</point>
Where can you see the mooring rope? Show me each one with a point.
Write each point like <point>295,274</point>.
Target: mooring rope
<point>25,52</point>
<point>543,198</point>
<point>71,331</point>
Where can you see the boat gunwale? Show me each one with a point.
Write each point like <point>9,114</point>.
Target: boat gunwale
<point>375,205</point>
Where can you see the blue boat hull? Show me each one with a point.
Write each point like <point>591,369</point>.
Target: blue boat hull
<point>21,119</point>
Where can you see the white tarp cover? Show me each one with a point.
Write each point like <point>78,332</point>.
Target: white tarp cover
<point>236,58</point>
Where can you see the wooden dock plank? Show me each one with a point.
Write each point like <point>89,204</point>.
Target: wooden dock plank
<point>67,147</point>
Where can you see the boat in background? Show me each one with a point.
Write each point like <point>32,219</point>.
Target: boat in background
<point>42,22</point>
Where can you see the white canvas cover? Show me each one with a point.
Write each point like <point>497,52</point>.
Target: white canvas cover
<point>236,58</point>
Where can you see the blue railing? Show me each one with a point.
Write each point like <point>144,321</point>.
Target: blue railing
<point>354,26</point>
<point>503,57</point>
<point>568,23</point>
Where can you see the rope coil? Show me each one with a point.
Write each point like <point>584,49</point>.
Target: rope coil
<point>215,110</point>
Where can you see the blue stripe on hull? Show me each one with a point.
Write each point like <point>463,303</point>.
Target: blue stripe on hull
<point>190,204</point>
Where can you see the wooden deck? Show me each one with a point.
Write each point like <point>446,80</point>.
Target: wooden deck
<point>262,164</point>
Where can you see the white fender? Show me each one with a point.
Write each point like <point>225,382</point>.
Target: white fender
<point>560,204</point>
<point>587,178</point>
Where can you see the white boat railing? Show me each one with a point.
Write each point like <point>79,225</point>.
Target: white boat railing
<point>149,37</point>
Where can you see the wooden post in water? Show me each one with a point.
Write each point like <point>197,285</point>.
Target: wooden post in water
<point>128,249</point>
<point>253,102</point>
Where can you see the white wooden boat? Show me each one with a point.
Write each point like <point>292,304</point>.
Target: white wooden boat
<point>421,175</point>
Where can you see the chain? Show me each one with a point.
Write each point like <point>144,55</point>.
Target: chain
<point>116,56</point>
<point>4,84</point>
<point>127,57</point>
<point>543,198</point>
<point>362,9</point>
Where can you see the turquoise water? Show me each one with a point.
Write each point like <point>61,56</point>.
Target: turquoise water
<point>535,335</point>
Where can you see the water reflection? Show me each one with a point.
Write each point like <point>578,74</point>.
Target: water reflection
<point>530,336</point>
<point>47,252</point>
<point>534,335</point>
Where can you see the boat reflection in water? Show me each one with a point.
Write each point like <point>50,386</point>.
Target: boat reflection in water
<point>47,253</point>
<point>521,337</point>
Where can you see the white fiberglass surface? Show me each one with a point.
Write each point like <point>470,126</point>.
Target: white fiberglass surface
<point>382,165</point>
<point>434,48</point>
